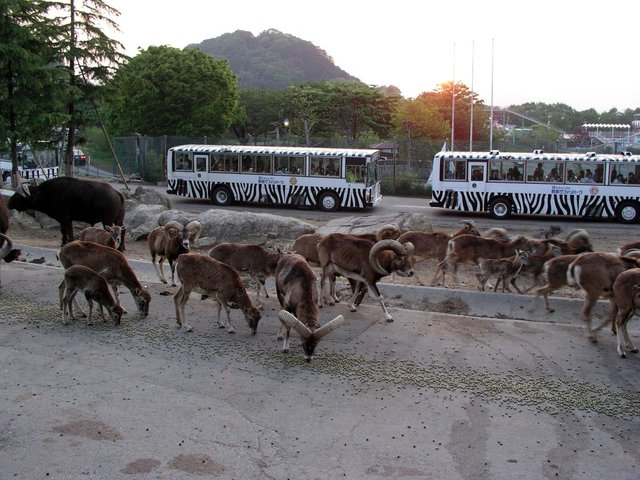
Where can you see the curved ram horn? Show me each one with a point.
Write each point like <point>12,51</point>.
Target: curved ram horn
<point>633,253</point>
<point>329,327</point>
<point>23,190</point>
<point>173,224</point>
<point>290,321</point>
<point>384,245</point>
<point>577,232</point>
<point>6,248</point>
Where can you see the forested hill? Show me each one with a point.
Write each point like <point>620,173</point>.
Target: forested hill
<point>272,60</point>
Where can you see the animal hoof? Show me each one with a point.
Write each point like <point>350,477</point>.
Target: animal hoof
<point>593,339</point>
<point>188,328</point>
<point>231,331</point>
<point>389,320</point>
<point>635,350</point>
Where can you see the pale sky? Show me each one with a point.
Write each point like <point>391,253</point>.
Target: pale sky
<point>583,54</point>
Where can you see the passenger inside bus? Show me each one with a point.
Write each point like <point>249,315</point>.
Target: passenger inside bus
<point>538,173</point>
<point>571,178</point>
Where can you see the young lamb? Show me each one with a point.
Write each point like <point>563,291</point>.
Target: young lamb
<point>79,278</point>
<point>504,268</point>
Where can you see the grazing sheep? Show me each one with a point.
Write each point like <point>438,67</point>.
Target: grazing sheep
<point>217,280</point>
<point>79,278</point>
<point>297,292</point>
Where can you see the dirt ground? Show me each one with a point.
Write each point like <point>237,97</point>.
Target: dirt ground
<point>603,239</point>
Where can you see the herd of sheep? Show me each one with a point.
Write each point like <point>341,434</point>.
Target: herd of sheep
<point>96,266</point>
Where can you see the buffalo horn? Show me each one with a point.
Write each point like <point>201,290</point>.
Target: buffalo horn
<point>6,248</point>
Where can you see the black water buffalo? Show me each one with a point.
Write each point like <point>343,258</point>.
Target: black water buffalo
<point>66,199</point>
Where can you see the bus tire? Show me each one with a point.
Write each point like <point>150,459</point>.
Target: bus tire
<point>500,208</point>
<point>221,196</point>
<point>328,202</point>
<point>628,212</point>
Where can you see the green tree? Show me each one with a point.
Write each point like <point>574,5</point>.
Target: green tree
<point>420,119</point>
<point>29,107</point>
<point>262,113</point>
<point>349,109</point>
<point>90,56</point>
<point>167,91</point>
<point>441,99</point>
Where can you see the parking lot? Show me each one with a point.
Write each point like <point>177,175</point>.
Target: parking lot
<point>431,395</point>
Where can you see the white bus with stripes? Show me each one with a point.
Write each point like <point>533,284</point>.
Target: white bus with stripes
<point>324,178</point>
<point>538,183</point>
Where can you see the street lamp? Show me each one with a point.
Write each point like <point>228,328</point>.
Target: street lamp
<point>286,126</point>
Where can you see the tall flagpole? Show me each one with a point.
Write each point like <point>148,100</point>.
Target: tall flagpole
<point>491,116</point>
<point>473,45</point>
<point>453,97</point>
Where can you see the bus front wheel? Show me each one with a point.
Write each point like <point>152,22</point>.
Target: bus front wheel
<point>222,196</point>
<point>628,212</point>
<point>328,202</point>
<point>500,208</point>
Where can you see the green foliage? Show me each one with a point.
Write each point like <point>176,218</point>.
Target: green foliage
<point>166,91</point>
<point>441,99</point>
<point>273,60</point>
<point>153,167</point>
<point>406,184</point>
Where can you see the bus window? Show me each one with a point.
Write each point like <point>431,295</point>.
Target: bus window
<point>288,165</point>
<point>263,163</point>
<point>230,163</point>
<point>585,172</point>
<point>514,172</point>
<point>217,162</point>
<point>248,164</point>
<point>454,169</point>
<point>354,170</point>
<point>183,162</point>
<point>201,163</point>
<point>333,168</point>
<point>318,166</point>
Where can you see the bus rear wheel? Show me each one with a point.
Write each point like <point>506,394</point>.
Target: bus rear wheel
<point>328,202</point>
<point>222,196</point>
<point>500,208</point>
<point>628,212</point>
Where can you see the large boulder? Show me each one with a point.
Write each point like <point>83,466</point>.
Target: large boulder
<point>141,219</point>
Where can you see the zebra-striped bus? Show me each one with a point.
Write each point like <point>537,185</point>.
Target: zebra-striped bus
<point>538,183</point>
<point>324,178</point>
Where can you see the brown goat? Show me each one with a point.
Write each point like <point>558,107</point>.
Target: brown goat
<point>109,236</point>
<point>595,273</point>
<point>363,261</point>
<point>256,260</point>
<point>109,263</point>
<point>79,278</point>
<point>167,242</point>
<point>429,245</point>
<point>307,244</point>
<point>473,249</point>
<point>626,303</point>
<point>297,292</point>
<point>555,272</point>
<point>218,281</point>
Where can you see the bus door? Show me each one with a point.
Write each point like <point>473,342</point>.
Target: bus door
<point>477,174</point>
